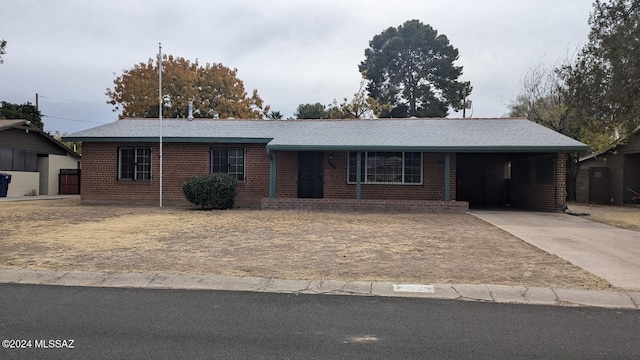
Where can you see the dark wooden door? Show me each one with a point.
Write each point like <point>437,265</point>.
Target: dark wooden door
<point>599,185</point>
<point>69,184</point>
<point>69,181</point>
<point>310,176</point>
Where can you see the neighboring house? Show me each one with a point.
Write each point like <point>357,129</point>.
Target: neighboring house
<point>611,176</point>
<point>33,158</point>
<point>393,164</point>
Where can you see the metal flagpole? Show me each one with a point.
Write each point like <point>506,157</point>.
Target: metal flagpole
<point>160,111</point>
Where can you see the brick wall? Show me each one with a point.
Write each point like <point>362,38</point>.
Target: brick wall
<point>561,182</point>
<point>526,193</point>
<point>100,182</point>
<point>413,206</point>
<point>336,187</point>
<point>287,174</point>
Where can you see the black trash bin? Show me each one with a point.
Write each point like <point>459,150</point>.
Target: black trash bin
<point>5,179</point>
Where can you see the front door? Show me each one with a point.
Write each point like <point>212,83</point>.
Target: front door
<point>310,177</point>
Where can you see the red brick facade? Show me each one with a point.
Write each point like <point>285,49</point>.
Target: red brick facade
<point>396,206</point>
<point>336,186</point>
<point>100,182</point>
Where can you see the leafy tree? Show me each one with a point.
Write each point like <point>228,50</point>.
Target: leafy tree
<point>603,84</point>
<point>312,111</point>
<point>339,111</point>
<point>3,44</point>
<point>360,106</point>
<point>595,98</point>
<point>275,115</point>
<point>542,99</point>
<point>25,111</point>
<point>411,69</point>
<point>214,89</point>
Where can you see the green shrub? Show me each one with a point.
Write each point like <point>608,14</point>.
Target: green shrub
<point>216,191</point>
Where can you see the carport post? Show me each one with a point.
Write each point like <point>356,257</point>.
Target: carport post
<point>272,174</point>
<point>447,176</point>
<point>358,174</point>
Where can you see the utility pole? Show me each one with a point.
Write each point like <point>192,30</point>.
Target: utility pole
<point>37,108</point>
<point>160,111</point>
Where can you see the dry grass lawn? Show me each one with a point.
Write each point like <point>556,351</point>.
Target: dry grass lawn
<point>626,217</point>
<point>424,248</point>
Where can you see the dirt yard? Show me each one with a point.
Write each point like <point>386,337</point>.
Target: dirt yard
<point>626,217</point>
<point>64,235</point>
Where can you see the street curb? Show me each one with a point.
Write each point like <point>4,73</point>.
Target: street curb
<point>614,299</point>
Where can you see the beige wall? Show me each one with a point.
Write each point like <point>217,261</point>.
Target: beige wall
<point>49,168</point>
<point>23,183</point>
<point>45,180</point>
<point>42,165</point>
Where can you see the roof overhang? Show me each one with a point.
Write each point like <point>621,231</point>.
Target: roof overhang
<point>611,148</point>
<point>26,125</point>
<point>450,149</point>
<point>423,135</point>
<point>156,139</point>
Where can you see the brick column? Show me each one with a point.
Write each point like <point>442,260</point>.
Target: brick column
<point>561,181</point>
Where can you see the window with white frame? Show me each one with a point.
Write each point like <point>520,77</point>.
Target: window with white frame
<point>134,163</point>
<point>229,161</point>
<point>386,168</point>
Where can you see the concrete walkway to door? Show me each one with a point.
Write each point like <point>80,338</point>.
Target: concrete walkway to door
<point>606,251</point>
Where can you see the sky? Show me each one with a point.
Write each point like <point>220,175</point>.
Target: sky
<point>293,52</point>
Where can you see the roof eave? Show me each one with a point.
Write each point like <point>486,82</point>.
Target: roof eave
<point>495,149</point>
<point>142,139</point>
<point>27,125</point>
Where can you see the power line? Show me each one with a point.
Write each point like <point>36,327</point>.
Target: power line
<point>67,99</point>
<point>62,118</point>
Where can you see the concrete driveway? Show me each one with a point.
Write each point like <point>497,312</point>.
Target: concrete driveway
<point>606,251</point>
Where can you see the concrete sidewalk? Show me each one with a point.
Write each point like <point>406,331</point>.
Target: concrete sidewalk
<point>483,293</point>
<point>606,251</point>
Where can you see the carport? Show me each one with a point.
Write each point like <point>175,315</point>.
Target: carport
<point>517,179</point>
<point>483,179</point>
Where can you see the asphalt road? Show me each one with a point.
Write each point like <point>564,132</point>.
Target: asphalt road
<point>112,323</point>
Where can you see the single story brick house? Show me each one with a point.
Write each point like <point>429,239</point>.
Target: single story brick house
<point>33,158</point>
<point>393,164</point>
<point>613,175</point>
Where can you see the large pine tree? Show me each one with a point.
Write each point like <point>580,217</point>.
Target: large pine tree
<point>411,72</point>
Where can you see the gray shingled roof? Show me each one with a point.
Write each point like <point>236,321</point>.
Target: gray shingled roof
<point>25,124</point>
<point>482,135</point>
